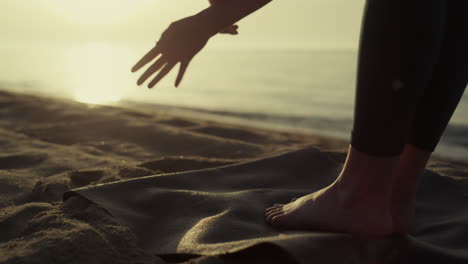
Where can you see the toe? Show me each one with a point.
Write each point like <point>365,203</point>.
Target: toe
<point>274,207</point>
<point>277,220</point>
<point>273,214</point>
<point>269,212</point>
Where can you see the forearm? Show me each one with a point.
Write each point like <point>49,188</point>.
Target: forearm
<point>227,12</point>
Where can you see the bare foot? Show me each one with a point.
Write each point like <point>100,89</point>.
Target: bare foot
<point>327,209</point>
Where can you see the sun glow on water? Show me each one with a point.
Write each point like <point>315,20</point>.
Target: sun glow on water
<point>100,73</point>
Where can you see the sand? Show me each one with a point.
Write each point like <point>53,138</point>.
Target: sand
<point>49,146</point>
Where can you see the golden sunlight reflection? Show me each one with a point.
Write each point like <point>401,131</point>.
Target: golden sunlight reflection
<point>99,73</point>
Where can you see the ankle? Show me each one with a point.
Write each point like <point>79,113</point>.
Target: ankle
<point>401,200</point>
<point>372,210</point>
<point>366,164</point>
<point>366,179</point>
<point>408,174</point>
<point>362,197</point>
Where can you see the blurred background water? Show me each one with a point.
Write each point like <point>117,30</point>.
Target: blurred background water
<point>306,90</point>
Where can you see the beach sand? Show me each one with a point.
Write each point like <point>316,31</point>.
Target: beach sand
<point>49,146</point>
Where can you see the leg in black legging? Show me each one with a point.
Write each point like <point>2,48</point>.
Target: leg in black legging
<point>448,81</point>
<point>400,46</point>
<point>432,115</point>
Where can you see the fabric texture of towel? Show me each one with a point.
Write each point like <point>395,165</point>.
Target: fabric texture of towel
<point>218,213</point>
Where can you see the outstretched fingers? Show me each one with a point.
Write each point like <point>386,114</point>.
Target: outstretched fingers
<point>182,69</point>
<point>167,68</point>
<point>152,69</point>
<point>153,53</point>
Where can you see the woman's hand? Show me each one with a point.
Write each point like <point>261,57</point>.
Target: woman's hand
<point>186,37</point>
<point>179,43</point>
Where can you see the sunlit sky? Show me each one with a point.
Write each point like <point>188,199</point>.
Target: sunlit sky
<point>88,46</point>
<point>282,23</point>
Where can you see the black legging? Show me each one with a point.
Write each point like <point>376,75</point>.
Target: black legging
<point>412,72</point>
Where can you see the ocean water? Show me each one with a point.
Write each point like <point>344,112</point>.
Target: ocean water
<point>306,90</point>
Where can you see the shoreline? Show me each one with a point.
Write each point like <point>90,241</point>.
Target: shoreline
<point>260,121</point>
<point>242,120</point>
